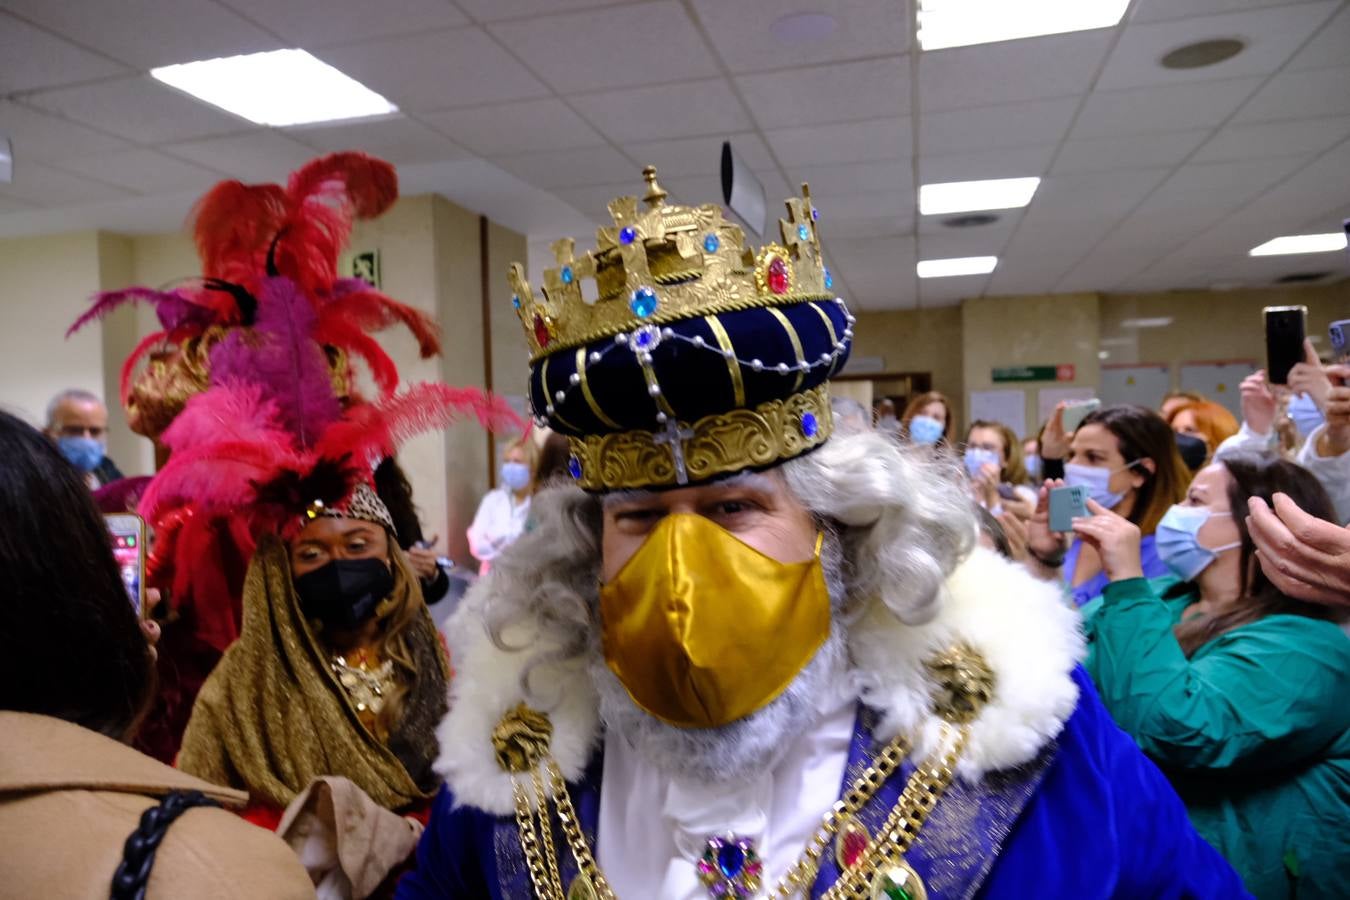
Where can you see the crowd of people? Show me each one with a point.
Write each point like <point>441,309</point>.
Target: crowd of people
<point>728,638</point>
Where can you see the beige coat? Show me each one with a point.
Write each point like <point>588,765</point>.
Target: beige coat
<point>70,797</point>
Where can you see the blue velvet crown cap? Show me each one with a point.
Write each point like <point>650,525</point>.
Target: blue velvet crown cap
<point>700,358</point>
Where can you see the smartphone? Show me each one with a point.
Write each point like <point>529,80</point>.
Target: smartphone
<point>1286,327</point>
<point>1339,332</point>
<point>1075,413</point>
<point>128,543</point>
<point>1066,504</point>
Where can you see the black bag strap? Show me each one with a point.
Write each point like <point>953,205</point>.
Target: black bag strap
<point>138,854</point>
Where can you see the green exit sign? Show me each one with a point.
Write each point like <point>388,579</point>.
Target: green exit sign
<point>1033,373</point>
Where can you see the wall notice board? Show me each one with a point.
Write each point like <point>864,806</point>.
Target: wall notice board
<point>1141,384</point>
<point>1218,380</point>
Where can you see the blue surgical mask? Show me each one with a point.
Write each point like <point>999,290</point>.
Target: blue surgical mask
<point>515,475</point>
<point>1097,481</point>
<point>1178,543</point>
<point>925,430</point>
<point>84,453</point>
<point>1034,467</point>
<point>978,457</point>
<point>1307,417</point>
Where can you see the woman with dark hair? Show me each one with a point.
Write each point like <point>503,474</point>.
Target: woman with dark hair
<point>1237,690</point>
<point>1126,457</point>
<point>394,490</point>
<point>74,681</point>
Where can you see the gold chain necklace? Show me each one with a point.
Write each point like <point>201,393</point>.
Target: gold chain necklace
<point>522,738</point>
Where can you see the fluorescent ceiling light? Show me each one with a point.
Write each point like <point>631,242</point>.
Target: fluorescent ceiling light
<point>1156,322</point>
<point>280,87</point>
<point>969,196</point>
<point>960,23</point>
<point>1300,243</point>
<point>961,265</point>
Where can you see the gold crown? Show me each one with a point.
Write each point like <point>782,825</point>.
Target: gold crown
<point>667,263</point>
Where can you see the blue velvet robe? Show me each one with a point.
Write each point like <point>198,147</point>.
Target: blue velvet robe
<point>1090,818</point>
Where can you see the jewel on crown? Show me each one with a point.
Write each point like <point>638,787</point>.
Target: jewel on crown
<point>663,262</point>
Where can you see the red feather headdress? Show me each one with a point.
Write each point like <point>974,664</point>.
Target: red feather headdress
<point>248,234</point>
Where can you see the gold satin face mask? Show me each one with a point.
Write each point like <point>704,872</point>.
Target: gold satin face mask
<point>702,629</point>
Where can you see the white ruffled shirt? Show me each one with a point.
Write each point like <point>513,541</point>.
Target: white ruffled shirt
<point>654,827</point>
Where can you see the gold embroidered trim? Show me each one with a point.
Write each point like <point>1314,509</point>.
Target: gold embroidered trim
<point>720,444</point>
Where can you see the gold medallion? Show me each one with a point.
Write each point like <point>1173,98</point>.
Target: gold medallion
<point>898,881</point>
<point>581,888</point>
<point>851,843</point>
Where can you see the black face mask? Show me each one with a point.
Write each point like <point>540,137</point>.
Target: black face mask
<point>343,594</point>
<point>1193,451</point>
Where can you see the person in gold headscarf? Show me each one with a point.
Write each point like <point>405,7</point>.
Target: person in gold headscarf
<point>338,671</point>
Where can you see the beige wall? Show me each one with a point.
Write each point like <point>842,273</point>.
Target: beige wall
<point>927,340</point>
<point>45,284</point>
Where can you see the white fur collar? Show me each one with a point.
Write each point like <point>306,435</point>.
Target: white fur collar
<point>1027,634</point>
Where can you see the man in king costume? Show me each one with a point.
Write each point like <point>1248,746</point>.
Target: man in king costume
<point>741,657</point>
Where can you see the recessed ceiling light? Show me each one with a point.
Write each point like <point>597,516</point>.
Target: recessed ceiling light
<point>967,196</point>
<point>802,28</point>
<point>1156,322</point>
<point>960,23</point>
<point>1202,53</point>
<point>1300,243</point>
<point>961,265</point>
<point>279,87</point>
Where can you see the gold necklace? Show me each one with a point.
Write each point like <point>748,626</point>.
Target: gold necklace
<point>366,687</point>
<point>521,741</point>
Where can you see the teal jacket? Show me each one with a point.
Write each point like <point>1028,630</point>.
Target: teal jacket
<point>1253,730</point>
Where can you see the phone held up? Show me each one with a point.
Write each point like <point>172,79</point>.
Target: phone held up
<point>128,543</point>
<point>1339,332</point>
<point>1075,413</point>
<point>1286,327</point>
<point>1066,504</point>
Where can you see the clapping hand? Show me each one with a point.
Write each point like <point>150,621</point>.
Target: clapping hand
<point>1258,402</point>
<point>1302,555</point>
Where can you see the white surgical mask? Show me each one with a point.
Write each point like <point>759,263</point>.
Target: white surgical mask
<point>1097,481</point>
<point>925,430</point>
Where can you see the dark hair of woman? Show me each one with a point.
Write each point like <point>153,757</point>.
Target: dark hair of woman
<point>1264,477</point>
<point>554,457</point>
<point>74,649</point>
<point>1142,434</point>
<point>391,484</point>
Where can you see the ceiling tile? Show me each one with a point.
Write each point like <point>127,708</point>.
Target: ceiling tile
<point>592,201</point>
<point>1084,157</point>
<point>743,35</point>
<point>316,23</point>
<point>571,168</point>
<point>1016,162</point>
<point>855,178</point>
<point>262,156</point>
<point>1328,48</point>
<point>1092,198</point>
<point>45,186</point>
<point>437,70</point>
<point>700,155</point>
<point>39,135</point>
<point>1006,221</point>
<point>13,204</point>
<point>952,243</point>
<point>871,206</point>
<point>1061,65</point>
<point>1163,10</point>
<point>839,92</point>
<point>397,139</point>
<point>936,292</point>
<point>836,229</point>
<point>1320,187</point>
<point>556,47</point>
<point>1300,95</point>
<point>502,129</point>
<point>1219,184</point>
<point>1008,125</point>
<point>139,109</point>
<point>148,33</point>
<point>1178,107</point>
<point>498,10</point>
<point>143,171</point>
<point>1272,35</point>
<point>31,58</point>
<point>664,111</point>
<point>1307,137</point>
<point>855,142</point>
